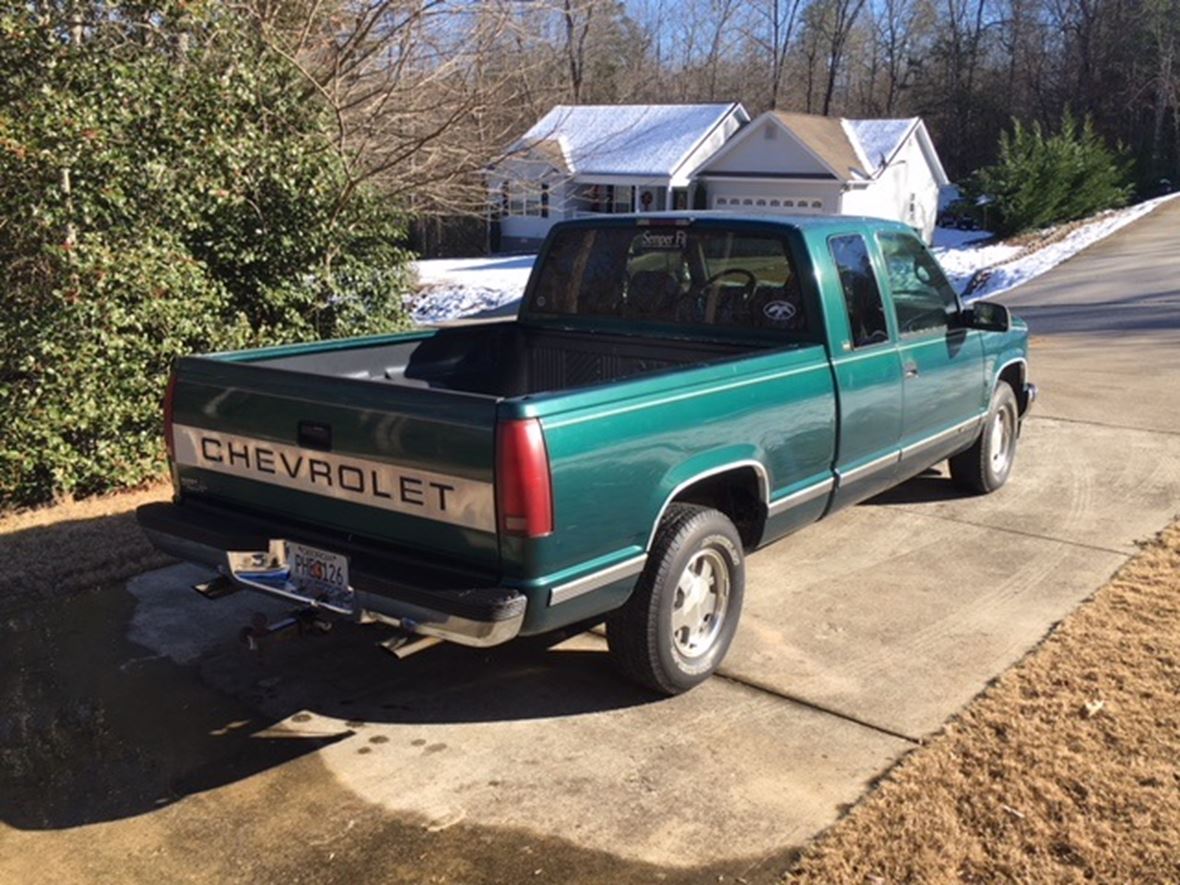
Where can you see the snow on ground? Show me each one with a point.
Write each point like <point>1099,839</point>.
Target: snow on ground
<point>460,287</point>
<point>451,288</point>
<point>962,253</point>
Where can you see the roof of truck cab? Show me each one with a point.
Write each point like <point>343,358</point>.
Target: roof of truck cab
<point>798,222</point>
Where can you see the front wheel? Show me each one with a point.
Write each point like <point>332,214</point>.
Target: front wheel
<point>985,466</point>
<point>679,622</point>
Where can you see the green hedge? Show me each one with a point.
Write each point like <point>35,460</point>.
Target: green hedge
<point>205,210</point>
<point>1043,178</point>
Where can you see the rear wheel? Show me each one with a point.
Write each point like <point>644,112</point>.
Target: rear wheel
<point>985,466</point>
<point>678,624</point>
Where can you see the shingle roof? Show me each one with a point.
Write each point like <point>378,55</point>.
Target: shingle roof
<point>880,139</point>
<point>554,152</point>
<point>625,139</point>
<point>828,140</point>
<point>854,149</point>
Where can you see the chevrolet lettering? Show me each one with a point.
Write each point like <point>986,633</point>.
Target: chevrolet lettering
<point>676,391</point>
<point>376,484</point>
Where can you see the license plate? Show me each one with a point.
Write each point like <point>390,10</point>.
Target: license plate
<point>320,575</point>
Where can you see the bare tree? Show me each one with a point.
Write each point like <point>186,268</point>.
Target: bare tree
<point>895,27</point>
<point>417,98</point>
<point>773,31</point>
<point>842,17</point>
<point>576,17</point>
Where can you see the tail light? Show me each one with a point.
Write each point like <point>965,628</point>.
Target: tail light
<point>169,395</point>
<point>524,492</point>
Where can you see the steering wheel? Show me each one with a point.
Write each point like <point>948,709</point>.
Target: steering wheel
<point>712,291</point>
<point>701,305</point>
<point>751,280</point>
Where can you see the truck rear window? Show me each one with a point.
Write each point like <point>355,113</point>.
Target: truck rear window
<point>670,275</point>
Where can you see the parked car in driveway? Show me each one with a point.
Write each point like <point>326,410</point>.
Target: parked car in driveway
<point>676,391</point>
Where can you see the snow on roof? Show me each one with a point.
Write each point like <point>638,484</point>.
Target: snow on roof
<point>625,139</point>
<point>879,139</point>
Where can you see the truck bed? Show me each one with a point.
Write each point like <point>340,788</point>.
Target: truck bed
<point>509,359</point>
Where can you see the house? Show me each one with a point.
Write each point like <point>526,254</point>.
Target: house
<point>790,163</point>
<point>581,159</point>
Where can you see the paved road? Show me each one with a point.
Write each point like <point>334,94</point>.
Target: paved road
<point>163,751</point>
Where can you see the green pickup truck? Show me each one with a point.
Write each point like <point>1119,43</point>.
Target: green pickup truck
<point>676,391</point>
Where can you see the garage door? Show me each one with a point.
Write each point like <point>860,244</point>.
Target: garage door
<point>786,206</point>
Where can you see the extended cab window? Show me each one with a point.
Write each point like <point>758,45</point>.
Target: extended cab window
<point>922,297</point>
<point>671,275</point>
<point>862,298</point>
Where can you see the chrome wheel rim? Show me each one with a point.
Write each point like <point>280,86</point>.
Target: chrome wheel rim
<point>1000,444</point>
<point>700,603</point>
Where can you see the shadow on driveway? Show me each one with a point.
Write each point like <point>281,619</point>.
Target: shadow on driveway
<point>97,727</point>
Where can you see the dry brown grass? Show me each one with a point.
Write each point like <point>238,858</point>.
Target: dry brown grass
<point>74,546</point>
<point>1035,781</point>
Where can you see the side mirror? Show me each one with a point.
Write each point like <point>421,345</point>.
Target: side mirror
<point>988,316</point>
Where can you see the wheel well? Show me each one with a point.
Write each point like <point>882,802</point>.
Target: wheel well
<point>1013,373</point>
<point>738,494</point>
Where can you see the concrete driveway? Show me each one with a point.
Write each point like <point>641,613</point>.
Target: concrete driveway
<point>164,751</point>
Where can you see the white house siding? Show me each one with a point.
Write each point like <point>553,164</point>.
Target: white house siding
<point>706,149</point>
<point>770,196</point>
<point>768,148</point>
<point>515,230</point>
<point>906,192</point>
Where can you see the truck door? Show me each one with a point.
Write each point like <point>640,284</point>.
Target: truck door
<point>943,391</point>
<point>867,369</point>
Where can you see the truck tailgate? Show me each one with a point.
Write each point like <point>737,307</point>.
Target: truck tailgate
<point>412,467</point>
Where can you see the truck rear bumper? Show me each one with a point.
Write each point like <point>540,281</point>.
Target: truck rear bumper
<point>388,589</point>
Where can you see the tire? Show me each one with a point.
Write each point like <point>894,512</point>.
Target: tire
<point>985,466</point>
<point>656,639</point>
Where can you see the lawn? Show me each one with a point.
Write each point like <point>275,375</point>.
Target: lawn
<point>1067,768</point>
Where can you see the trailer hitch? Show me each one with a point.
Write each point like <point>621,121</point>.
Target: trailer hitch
<point>304,622</point>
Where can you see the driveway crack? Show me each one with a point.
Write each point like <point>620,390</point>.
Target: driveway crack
<point>1010,531</point>
<point>763,688</point>
<point>1103,424</point>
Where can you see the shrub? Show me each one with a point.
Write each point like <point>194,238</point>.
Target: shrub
<point>1041,179</point>
<point>153,204</point>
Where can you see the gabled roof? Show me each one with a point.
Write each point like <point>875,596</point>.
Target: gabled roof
<point>553,151</point>
<point>879,140</point>
<point>827,139</point>
<point>625,139</point>
<point>853,150</point>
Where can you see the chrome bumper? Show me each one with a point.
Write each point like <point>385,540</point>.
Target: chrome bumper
<point>241,568</point>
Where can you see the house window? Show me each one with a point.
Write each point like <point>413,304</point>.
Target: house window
<point>761,203</point>
<point>622,199</point>
<point>590,198</point>
<point>790,204</point>
<point>816,204</point>
<point>679,198</point>
<point>721,201</point>
<point>774,202</point>
<point>747,202</point>
<point>527,200</point>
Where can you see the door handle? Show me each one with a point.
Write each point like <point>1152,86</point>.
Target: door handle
<point>911,370</point>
